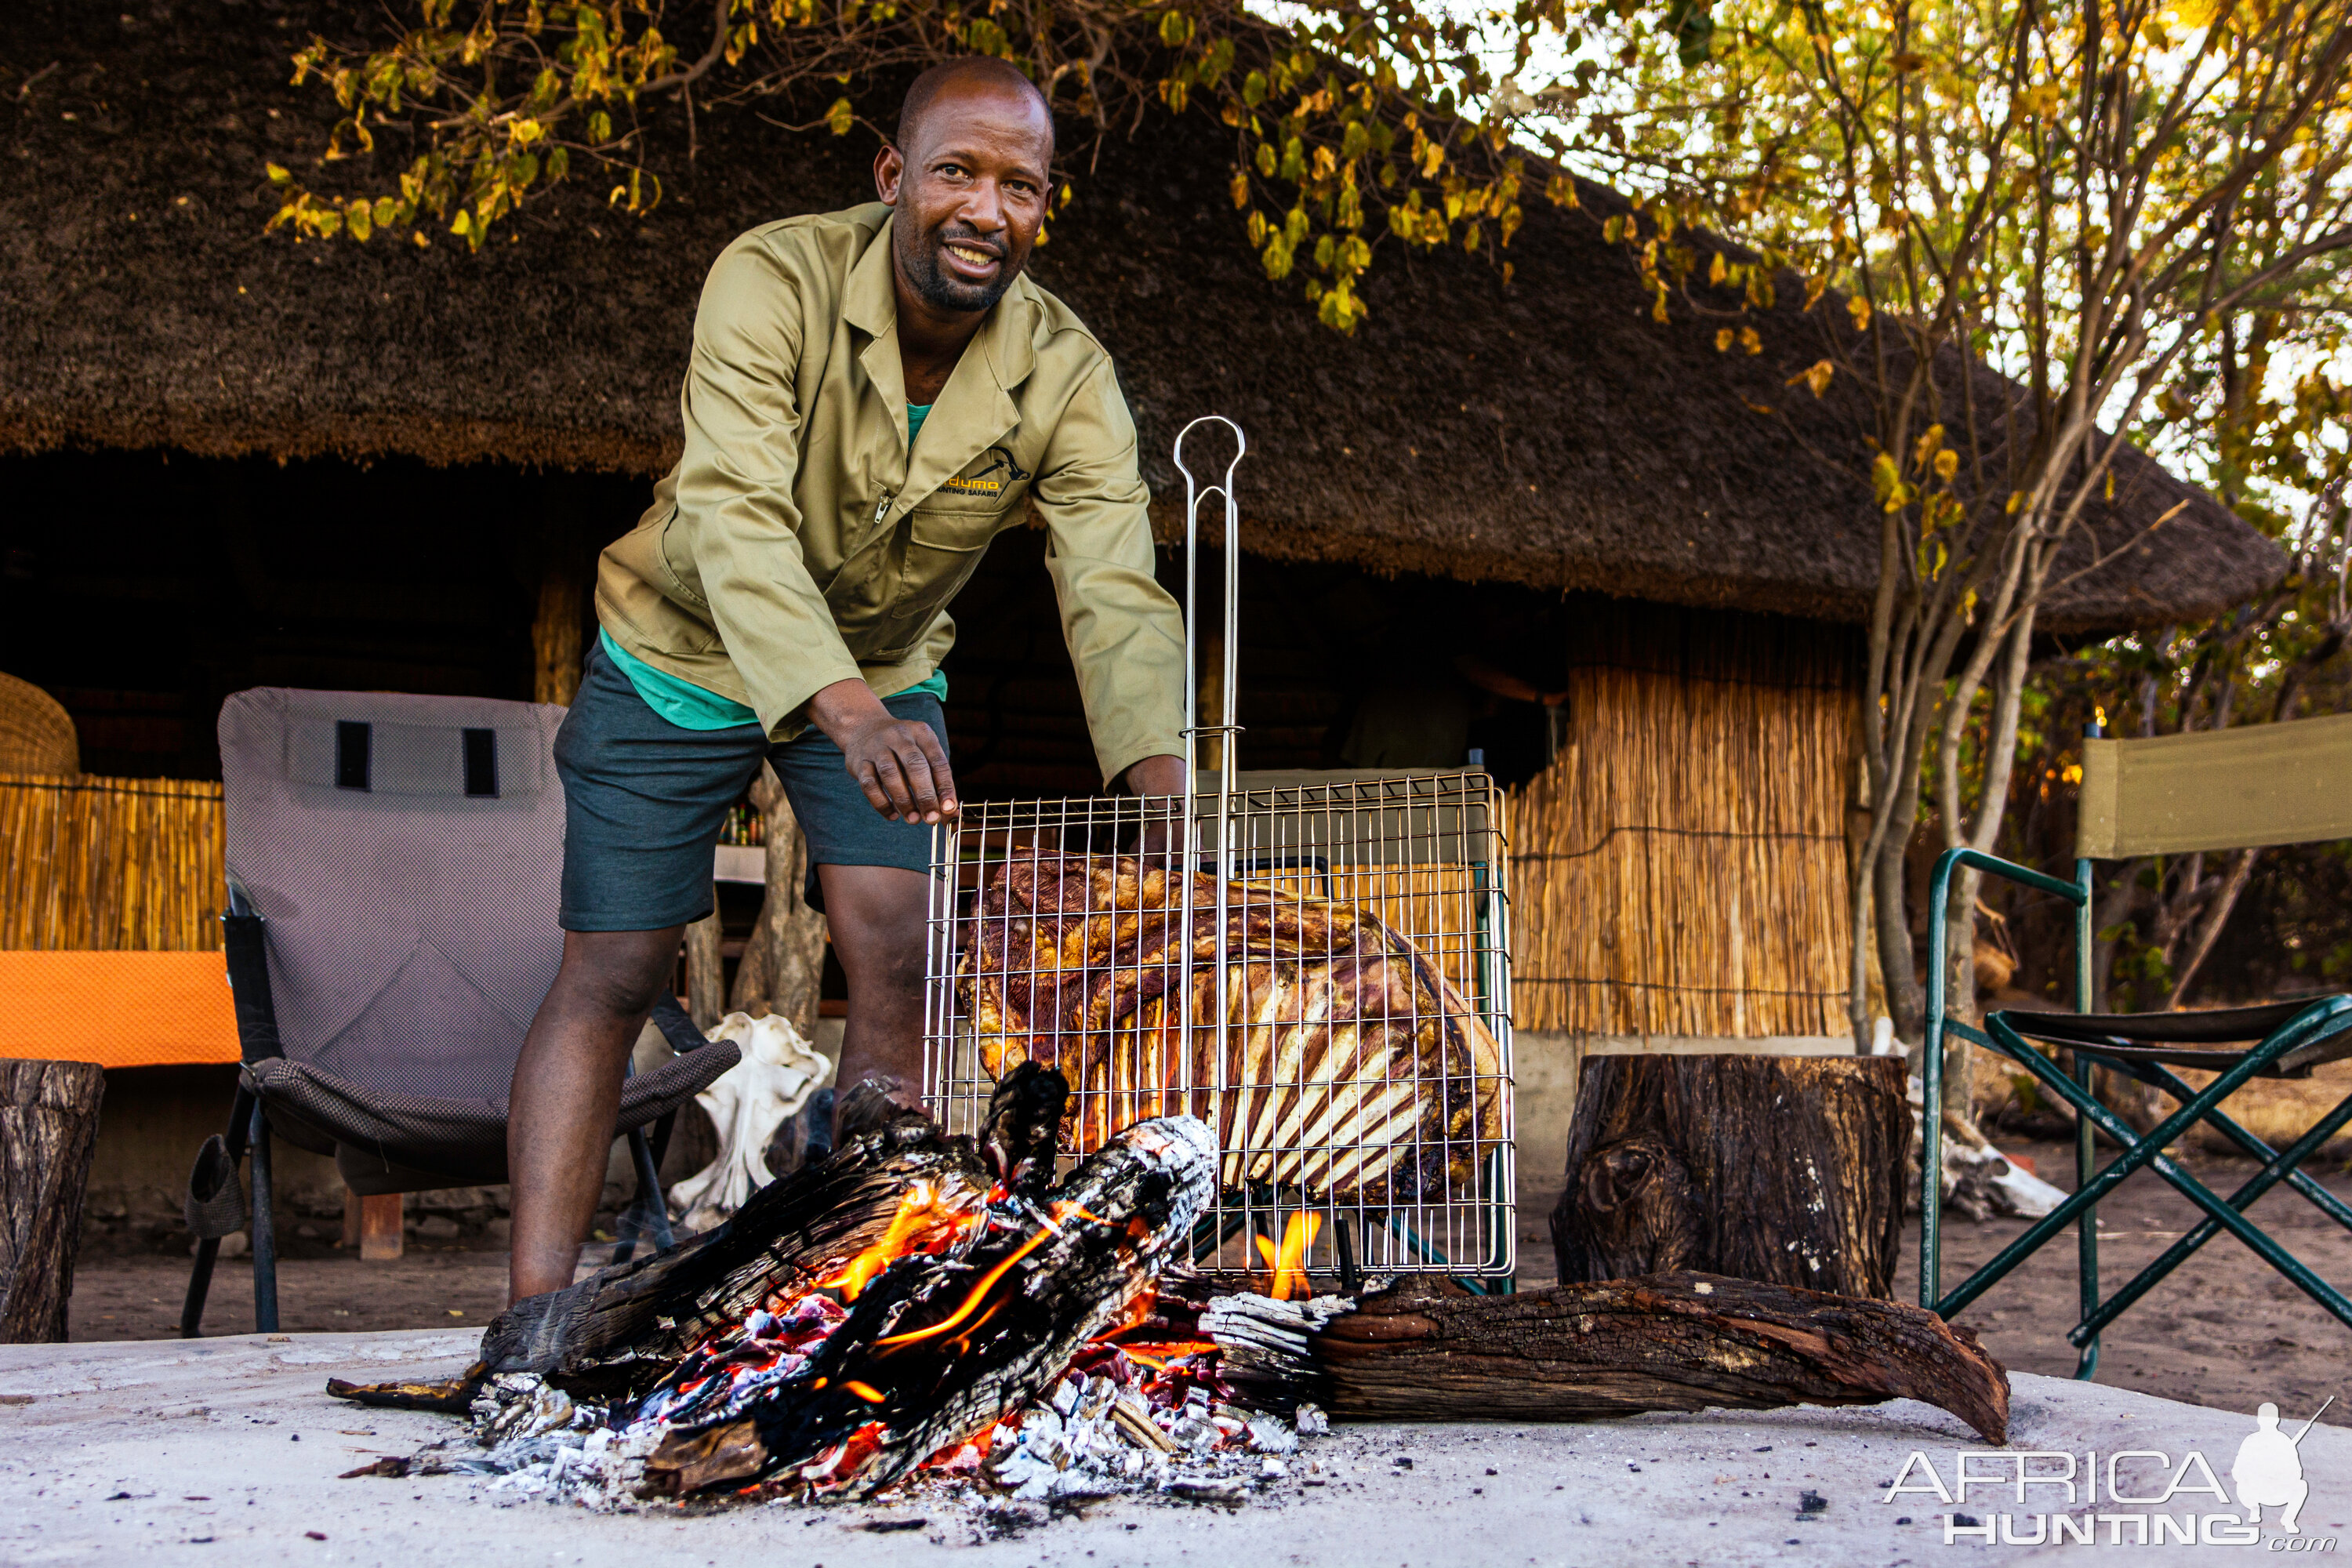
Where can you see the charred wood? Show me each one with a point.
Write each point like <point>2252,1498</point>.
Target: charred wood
<point>621,1330</point>
<point>1675,1342</point>
<point>936,1348</point>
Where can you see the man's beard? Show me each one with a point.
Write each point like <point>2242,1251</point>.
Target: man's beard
<point>919,264</point>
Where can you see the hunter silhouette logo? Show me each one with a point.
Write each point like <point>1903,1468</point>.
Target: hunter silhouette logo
<point>992,474</point>
<point>2268,1472</point>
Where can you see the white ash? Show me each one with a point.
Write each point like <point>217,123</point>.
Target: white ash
<point>1086,1437</point>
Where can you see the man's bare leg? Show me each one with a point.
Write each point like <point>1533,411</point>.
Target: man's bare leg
<point>567,1091</point>
<point>877,913</point>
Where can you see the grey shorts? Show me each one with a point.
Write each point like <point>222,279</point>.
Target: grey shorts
<point>644,800</point>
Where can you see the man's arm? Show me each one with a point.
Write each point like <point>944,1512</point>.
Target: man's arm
<point>1125,633</point>
<point>735,498</point>
<point>735,504</point>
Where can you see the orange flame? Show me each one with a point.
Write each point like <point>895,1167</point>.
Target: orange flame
<point>1288,1263</point>
<point>971,1303</point>
<point>923,1224</point>
<point>1157,1354</point>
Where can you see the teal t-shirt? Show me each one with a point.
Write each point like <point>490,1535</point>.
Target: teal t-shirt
<point>916,414</point>
<point>689,707</point>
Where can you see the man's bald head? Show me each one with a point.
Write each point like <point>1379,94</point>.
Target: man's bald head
<point>981,76</point>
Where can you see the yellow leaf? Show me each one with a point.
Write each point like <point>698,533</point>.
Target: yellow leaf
<point>1815,376</point>
<point>1750,342</point>
<point>1723,337</point>
<point>1885,479</point>
<point>1241,192</point>
<point>1859,308</point>
<point>1905,64</point>
<point>840,117</point>
<point>2016,500</point>
<point>1947,463</point>
<point>1930,442</point>
<point>1716,270</point>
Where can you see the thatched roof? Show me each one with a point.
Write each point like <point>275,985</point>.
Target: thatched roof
<point>1548,434</point>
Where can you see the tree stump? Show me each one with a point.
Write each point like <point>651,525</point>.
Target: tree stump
<point>1787,1170</point>
<point>48,1126</point>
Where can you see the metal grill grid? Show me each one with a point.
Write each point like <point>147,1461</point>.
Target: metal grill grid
<point>1315,965</point>
<point>1350,1044</point>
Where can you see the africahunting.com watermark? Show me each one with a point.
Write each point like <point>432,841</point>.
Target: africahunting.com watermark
<point>2133,1497</point>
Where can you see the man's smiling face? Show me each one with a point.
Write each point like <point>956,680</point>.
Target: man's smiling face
<point>970,183</point>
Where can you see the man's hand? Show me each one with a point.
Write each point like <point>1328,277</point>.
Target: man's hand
<point>1155,775</point>
<point>898,763</point>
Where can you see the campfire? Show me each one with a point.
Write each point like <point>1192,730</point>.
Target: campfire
<point>920,1310</point>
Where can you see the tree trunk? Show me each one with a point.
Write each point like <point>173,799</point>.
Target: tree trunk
<point>1681,1342</point>
<point>783,962</point>
<point>1782,1169</point>
<point>48,1126</point>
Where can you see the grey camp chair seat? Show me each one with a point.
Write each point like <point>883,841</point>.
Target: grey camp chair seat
<point>393,863</point>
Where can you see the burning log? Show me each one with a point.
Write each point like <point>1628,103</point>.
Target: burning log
<point>621,1330</point>
<point>938,1345</point>
<point>1674,1341</point>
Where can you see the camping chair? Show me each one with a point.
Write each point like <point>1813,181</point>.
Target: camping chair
<point>392,867</point>
<point>2273,783</point>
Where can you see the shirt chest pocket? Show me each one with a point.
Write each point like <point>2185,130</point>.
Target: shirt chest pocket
<point>943,547</point>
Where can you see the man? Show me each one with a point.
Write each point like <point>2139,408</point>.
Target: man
<point>873,395</point>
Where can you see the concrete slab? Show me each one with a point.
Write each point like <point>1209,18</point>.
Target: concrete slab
<point>228,1450</point>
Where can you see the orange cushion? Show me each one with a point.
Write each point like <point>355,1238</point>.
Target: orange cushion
<point>117,1009</point>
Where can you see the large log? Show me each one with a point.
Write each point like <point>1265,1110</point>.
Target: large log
<point>623,1328</point>
<point>1681,1342</point>
<point>48,1127</point>
<point>1783,1169</point>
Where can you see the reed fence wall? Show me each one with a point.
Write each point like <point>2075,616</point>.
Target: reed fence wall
<point>1680,867</point>
<point>106,864</point>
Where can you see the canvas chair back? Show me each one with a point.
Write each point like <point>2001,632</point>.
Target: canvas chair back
<point>405,852</point>
<point>2217,789</point>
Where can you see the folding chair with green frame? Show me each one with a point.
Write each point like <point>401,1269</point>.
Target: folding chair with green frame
<point>2172,794</point>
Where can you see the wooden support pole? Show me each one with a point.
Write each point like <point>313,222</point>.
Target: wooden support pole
<point>379,1228</point>
<point>783,960</point>
<point>1784,1169</point>
<point>705,970</point>
<point>48,1127</point>
<point>555,644</point>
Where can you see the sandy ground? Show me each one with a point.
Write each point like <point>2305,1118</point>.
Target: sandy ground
<point>2223,1330</point>
<point>226,1449</point>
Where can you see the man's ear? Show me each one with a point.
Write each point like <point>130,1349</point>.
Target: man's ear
<point>889,168</point>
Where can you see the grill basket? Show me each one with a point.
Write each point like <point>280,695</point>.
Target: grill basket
<point>1316,965</point>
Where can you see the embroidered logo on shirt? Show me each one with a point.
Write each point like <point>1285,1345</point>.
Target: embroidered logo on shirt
<point>991,474</point>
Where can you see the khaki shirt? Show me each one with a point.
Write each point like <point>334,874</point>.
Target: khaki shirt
<point>797,543</point>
